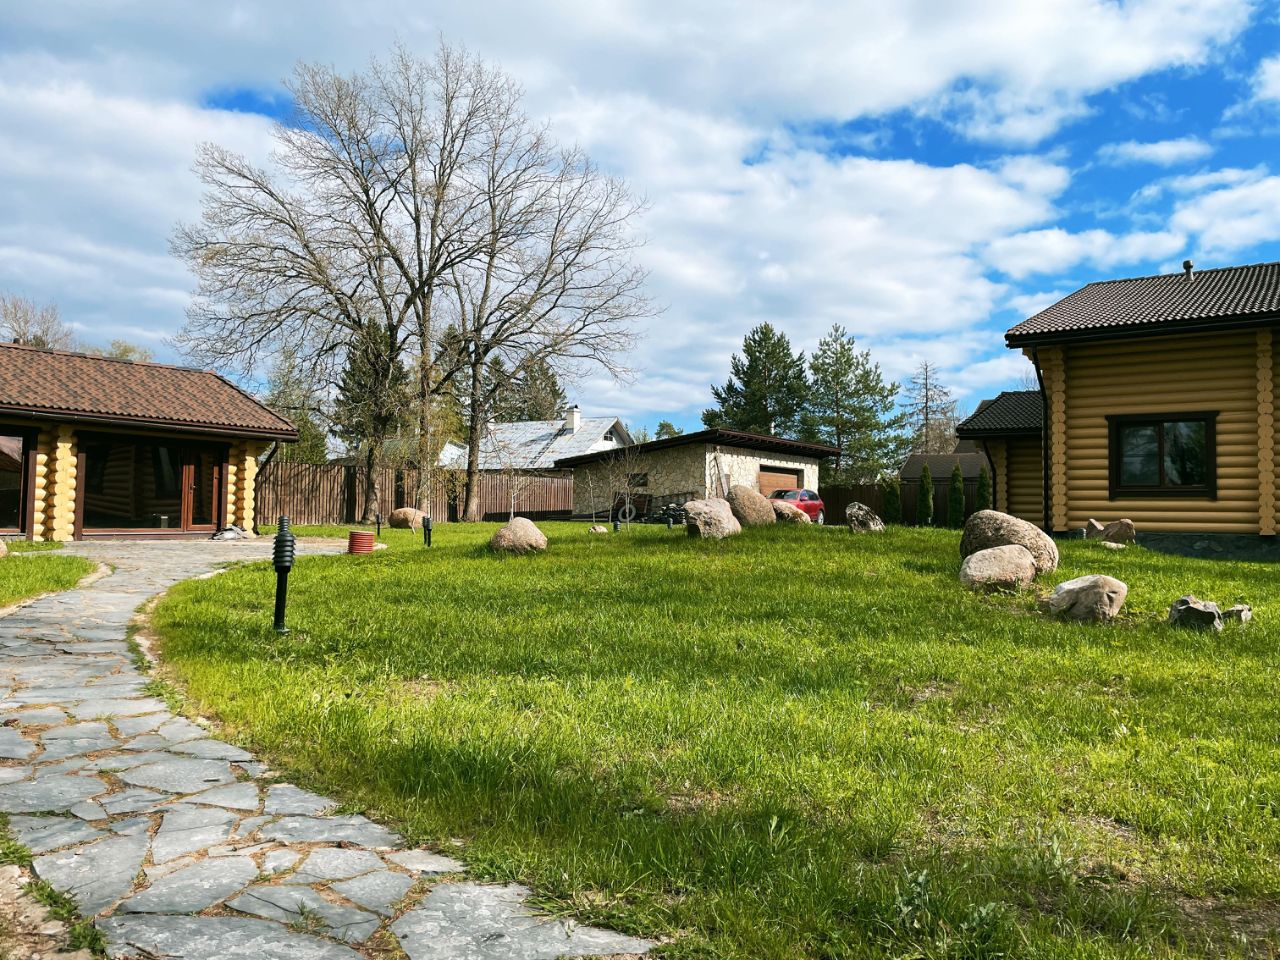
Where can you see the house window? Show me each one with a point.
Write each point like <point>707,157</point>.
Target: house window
<point>1167,455</point>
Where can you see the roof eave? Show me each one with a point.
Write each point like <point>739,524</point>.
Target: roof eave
<point>289,434</point>
<point>976,433</point>
<point>1195,325</point>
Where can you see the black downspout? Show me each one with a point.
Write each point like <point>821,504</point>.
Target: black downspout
<point>986,452</point>
<point>1044,441</point>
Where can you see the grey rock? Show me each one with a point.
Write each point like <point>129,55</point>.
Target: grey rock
<point>88,810</point>
<point>96,875</point>
<point>711,519</point>
<point>467,921</point>
<point>212,750</point>
<point>1010,567</point>
<point>41,834</point>
<point>248,825</point>
<point>990,528</point>
<point>40,717</point>
<point>195,888</point>
<point>135,726</point>
<point>131,825</point>
<point>179,730</point>
<point>749,506</point>
<point>286,798</point>
<point>378,891</point>
<point>13,745</point>
<point>131,801</point>
<point>1093,530</point>
<point>214,938</point>
<point>328,863</point>
<point>1110,545</point>
<point>237,796</point>
<point>862,519</point>
<point>290,904</point>
<point>1120,531</point>
<point>116,762</point>
<point>92,709</point>
<point>180,775</point>
<point>14,774</point>
<point>49,794</point>
<point>1196,614</point>
<point>1092,598</point>
<point>353,829</point>
<point>278,861</point>
<point>186,829</point>
<point>423,862</point>
<point>1240,613</point>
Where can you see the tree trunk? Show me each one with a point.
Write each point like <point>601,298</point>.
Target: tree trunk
<point>371,498</point>
<point>473,513</point>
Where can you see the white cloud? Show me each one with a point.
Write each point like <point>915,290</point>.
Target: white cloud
<point>1266,81</point>
<point>1053,250</point>
<point>1162,153</point>
<point>1199,182</point>
<point>1233,218</point>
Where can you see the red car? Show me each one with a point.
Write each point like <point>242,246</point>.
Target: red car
<point>806,500</point>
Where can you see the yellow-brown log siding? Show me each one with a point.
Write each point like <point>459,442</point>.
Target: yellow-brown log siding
<point>1157,375</point>
<point>1026,480</point>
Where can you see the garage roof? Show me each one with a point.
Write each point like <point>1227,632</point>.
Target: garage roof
<point>715,436</point>
<point>59,385</point>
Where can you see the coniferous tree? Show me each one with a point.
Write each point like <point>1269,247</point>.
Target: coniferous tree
<point>924,498</point>
<point>891,500</point>
<point>984,490</point>
<point>292,394</point>
<point>853,409</point>
<point>666,429</point>
<point>931,412</point>
<point>955,498</point>
<point>767,388</point>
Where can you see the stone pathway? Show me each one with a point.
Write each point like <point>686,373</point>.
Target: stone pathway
<point>176,842</point>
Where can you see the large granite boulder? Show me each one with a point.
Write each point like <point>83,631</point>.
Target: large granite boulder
<point>862,519</point>
<point>784,512</point>
<point>711,519</point>
<point>1010,567</point>
<point>1195,614</point>
<point>749,506</point>
<point>1092,598</point>
<point>1120,531</point>
<point>519,535</point>
<point>990,528</point>
<point>1093,530</point>
<point>406,518</point>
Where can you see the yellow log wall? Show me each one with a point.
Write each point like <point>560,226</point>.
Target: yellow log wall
<point>1157,375</point>
<point>245,457</point>
<point>1265,356</point>
<point>1026,480</point>
<point>42,488</point>
<point>997,452</point>
<point>60,495</point>
<point>1054,367</point>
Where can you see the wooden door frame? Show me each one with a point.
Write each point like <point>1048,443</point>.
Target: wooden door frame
<point>189,484</point>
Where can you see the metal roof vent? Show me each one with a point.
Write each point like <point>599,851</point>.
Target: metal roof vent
<point>1186,269</point>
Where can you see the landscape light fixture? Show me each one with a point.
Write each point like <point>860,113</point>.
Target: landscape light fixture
<point>282,556</point>
<point>669,523</point>
<point>617,525</point>
<point>426,531</point>
<point>378,519</point>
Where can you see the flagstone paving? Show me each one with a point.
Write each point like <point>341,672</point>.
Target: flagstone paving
<point>171,837</point>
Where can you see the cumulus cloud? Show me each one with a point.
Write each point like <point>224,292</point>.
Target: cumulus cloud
<point>1232,218</point>
<point>1054,249</point>
<point>1266,81</point>
<point>1162,153</point>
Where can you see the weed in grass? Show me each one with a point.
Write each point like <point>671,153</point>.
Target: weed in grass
<point>759,747</point>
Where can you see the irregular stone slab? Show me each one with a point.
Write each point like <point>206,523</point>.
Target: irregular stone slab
<point>286,798</point>
<point>88,810</point>
<point>468,921</point>
<point>71,765</point>
<point>58,749</point>
<point>278,861</point>
<point>290,904</point>
<point>354,829</point>
<point>211,750</point>
<point>422,862</point>
<point>187,829</point>
<point>42,716</point>
<point>41,834</point>
<point>131,826</point>
<point>92,709</point>
<point>178,730</point>
<point>134,726</point>
<point>180,775</point>
<point>194,889</point>
<point>215,938</point>
<point>330,864</point>
<point>248,825</point>
<point>14,774</point>
<point>78,731</point>
<point>237,796</point>
<point>96,875</point>
<point>131,801</point>
<point>378,891</point>
<point>125,761</point>
<point>13,745</point>
<point>53,794</point>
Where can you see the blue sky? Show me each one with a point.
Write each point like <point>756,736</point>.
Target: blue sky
<point>925,174</point>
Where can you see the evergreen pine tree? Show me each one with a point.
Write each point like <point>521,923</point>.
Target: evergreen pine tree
<point>767,388</point>
<point>984,490</point>
<point>955,498</point>
<point>853,409</point>
<point>666,429</point>
<point>924,498</point>
<point>891,500</point>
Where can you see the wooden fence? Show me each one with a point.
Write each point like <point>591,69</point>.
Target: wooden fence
<point>333,493</point>
<point>836,499</point>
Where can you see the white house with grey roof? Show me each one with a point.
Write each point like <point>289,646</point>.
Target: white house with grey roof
<point>536,445</point>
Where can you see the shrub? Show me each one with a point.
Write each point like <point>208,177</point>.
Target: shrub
<point>891,500</point>
<point>984,490</point>
<point>924,498</point>
<point>955,498</point>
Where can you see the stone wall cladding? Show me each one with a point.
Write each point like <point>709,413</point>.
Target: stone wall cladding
<point>675,470</point>
<point>740,465</point>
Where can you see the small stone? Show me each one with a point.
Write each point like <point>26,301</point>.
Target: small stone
<point>1094,598</point>
<point>424,862</point>
<point>179,730</point>
<point>285,798</point>
<point>278,861</point>
<point>330,864</point>
<point>1240,613</point>
<point>1120,531</point>
<point>1196,614</point>
<point>597,528</point>
<point>194,888</point>
<point>1111,545</point>
<point>1093,530</point>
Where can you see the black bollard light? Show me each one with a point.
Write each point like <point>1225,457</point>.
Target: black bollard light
<point>617,525</point>
<point>669,522</point>
<point>282,559</point>
<point>426,531</point>
<point>378,518</point>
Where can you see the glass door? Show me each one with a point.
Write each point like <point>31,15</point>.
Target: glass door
<point>13,483</point>
<point>202,469</point>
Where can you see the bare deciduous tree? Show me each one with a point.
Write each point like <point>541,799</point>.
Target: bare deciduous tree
<point>34,324</point>
<point>931,412</point>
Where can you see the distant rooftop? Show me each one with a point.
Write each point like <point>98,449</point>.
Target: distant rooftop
<point>1012,412</point>
<point>538,444</point>
<point>1203,300</point>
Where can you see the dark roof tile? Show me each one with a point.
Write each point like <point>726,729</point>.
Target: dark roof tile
<point>1013,411</point>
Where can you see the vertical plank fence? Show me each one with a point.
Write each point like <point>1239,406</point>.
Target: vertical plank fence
<point>333,493</point>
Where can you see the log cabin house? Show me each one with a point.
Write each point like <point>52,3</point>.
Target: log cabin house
<point>1157,404</point>
<point>98,447</point>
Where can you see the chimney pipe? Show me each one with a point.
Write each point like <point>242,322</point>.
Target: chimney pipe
<point>572,419</point>
<point>1186,268</point>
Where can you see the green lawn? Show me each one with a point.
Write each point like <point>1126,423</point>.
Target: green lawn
<point>22,577</point>
<point>796,743</point>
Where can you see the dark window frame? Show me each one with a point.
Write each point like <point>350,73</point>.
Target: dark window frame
<point>1208,490</point>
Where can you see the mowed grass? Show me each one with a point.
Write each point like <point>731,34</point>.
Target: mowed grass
<point>797,743</point>
<point>27,576</point>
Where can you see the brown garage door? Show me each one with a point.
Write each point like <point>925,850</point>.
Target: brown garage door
<point>779,478</point>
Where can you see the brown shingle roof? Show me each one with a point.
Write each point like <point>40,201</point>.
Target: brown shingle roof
<point>76,386</point>
<point>1210,299</point>
<point>1012,412</point>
